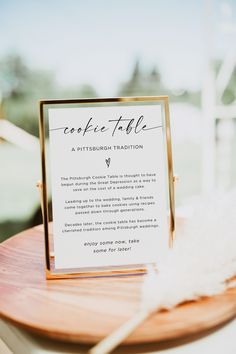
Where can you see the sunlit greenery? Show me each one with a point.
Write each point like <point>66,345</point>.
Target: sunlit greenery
<point>22,87</point>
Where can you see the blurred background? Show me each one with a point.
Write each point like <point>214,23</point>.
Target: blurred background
<point>73,49</point>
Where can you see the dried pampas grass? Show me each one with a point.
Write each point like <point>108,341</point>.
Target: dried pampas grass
<point>201,263</point>
<point>203,257</point>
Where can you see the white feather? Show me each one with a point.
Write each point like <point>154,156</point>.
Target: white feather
<point>203,257</point>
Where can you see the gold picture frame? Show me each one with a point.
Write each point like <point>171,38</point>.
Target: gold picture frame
<point>51,272</point>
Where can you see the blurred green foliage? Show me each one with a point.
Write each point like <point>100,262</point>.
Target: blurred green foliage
<point>149,83</point>
<point>22,87</point>
<point>229,94</point>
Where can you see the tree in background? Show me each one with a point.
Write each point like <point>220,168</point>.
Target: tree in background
<point>150,83</point>
<point>22,87</point>
<point>13,75</point>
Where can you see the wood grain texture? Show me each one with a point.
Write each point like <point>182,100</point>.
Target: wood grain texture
<point>87,310</point>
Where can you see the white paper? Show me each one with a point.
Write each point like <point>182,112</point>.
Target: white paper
<point>109,186</point>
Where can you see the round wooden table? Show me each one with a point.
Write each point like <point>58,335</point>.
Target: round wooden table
<point>86,310</point>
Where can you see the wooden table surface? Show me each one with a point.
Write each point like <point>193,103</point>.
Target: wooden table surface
<point>86,310</point>
<point>20,341</point>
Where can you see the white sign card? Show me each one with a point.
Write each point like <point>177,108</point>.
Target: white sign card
<point>109,183</point>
